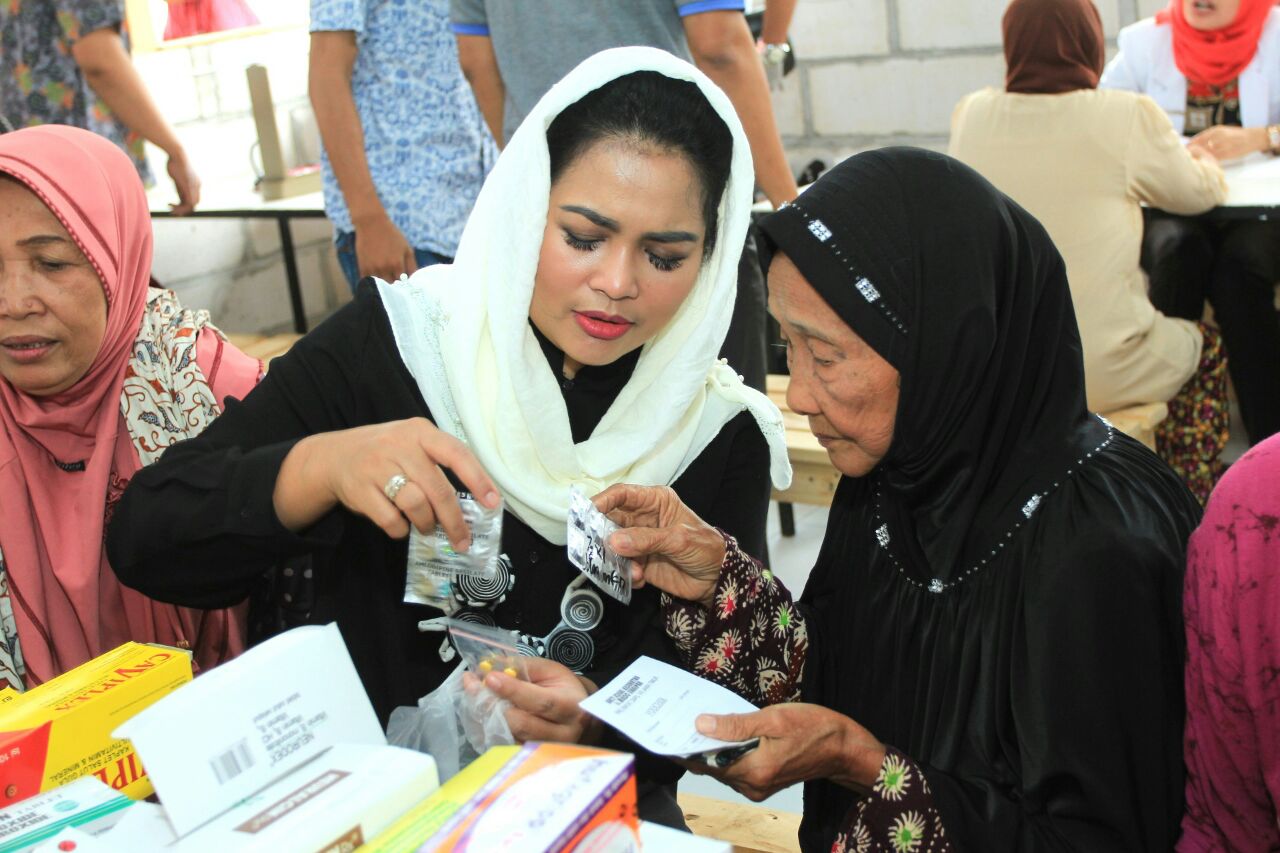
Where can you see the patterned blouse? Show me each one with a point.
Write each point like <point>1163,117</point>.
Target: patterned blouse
<point>12,669</point>
<point>165,397</point>
<point>40,82</point>
<point>753,641</point>
<point>426,144</point>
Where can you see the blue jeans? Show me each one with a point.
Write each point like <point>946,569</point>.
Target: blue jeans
<point>345,242</point>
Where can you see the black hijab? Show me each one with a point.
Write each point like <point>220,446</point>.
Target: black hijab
<point>1000,599</point>
<point>964,293</point>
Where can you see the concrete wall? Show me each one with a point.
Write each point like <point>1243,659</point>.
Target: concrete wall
<point>234,268</point>
<point>882,72</point>
<point>870,73</point>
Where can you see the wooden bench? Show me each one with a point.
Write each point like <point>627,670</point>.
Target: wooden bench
<point>814,478</point>
<point>750,829</point>
<point>264,347</point>
<point>1139,421</point>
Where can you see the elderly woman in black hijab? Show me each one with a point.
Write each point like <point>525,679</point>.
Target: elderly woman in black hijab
<point>987,655</point>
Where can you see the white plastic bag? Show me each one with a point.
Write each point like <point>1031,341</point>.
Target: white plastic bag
<point>451,724</point>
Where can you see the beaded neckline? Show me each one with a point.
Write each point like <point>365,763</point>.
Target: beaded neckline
<point>1033,502</point>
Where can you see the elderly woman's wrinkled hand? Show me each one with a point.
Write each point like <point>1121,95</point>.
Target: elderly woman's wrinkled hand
<point>798,742</point>
<point>545,707</point>
<point>669,545</point>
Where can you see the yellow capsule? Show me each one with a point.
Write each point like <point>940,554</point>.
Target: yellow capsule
<point>486,665</point>
<point>511,671</point>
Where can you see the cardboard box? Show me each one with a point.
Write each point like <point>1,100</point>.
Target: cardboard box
<point>251,721</point>
<point>86,804</point>
<point>55,733</point>
<point>332,803</point>
<point>539,797</point>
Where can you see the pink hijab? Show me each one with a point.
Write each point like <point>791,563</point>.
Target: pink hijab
<point>68,604</point>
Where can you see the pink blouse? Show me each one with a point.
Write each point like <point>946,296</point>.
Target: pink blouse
<point>1231,600</point>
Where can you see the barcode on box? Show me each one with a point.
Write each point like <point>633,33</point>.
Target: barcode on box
<point>233,762</point>
<point>625,691</point>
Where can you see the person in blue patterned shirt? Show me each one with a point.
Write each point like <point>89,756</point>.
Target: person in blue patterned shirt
<point>405,148</point>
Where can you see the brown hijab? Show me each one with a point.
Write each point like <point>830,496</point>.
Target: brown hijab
<point>1052,46</point>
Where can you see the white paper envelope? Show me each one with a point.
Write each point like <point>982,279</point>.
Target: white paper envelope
<point>655,704</point>
<point>241,726</point>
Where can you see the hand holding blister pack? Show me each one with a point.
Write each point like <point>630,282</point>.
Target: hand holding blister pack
<point>435,567</point>
<point>588,546</point>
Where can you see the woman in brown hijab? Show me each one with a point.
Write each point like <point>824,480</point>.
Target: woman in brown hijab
<point>1083,161</point>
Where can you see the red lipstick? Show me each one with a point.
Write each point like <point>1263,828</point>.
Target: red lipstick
<point>602,326</point>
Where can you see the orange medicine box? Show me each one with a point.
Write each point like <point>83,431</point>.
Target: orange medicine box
<point>61,730</point>
<point>548,797</point>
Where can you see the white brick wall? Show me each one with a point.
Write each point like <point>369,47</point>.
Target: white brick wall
<point>878,72</point>
<point>871,73</point>
<point>234,267</point>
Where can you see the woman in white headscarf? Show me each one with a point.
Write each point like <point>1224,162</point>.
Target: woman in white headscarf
<point>572,342</point>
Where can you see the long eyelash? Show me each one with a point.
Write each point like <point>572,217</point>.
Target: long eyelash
<point>578,243</point>
<point>665,264</point>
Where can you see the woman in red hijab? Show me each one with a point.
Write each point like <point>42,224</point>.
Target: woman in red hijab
<point>98,375</point>
<point>1214,66</point>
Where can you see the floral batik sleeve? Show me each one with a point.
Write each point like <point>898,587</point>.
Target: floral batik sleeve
<point>753,640</point>
<point>898,816</point>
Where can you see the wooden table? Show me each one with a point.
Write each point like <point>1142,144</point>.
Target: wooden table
<point>813,479</point>
<point>750,829</point>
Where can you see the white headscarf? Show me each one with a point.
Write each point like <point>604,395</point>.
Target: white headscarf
<point>463,331</point>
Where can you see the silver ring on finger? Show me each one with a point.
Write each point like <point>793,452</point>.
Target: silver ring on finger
<point>394,485</point>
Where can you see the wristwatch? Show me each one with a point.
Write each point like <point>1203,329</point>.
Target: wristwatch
<point>776,54</point>
<point>1273,139</point>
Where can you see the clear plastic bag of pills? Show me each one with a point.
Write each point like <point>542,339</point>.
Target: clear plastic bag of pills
<point>587,538</point>
<point>434,565</point>
<point>486,649</point>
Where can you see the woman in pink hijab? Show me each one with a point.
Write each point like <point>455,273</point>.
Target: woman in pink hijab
<point>98,375</point>
<point>1231,601</point>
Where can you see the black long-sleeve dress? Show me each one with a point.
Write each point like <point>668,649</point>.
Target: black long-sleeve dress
<point>198,528</point>
<point>1035,707</point>
<point>998,599</point>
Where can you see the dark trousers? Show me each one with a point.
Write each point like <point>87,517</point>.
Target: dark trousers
<point>1235,265</point>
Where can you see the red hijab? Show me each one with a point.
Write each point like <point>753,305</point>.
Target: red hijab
<point>1215,57</point>
<point>68,604</point>
<point>1052,46</point>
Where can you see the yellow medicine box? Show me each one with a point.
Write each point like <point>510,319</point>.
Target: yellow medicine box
<point>61,730</point>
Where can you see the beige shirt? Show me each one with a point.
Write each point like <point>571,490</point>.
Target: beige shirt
<point>1083,163</point>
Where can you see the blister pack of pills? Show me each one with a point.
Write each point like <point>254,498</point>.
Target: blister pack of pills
<point>435,567</point>
<point>487,649</point>
<point>587,544</point>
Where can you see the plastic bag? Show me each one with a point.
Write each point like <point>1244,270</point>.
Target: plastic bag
<point>451,724</point>
<point>487,649</point>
